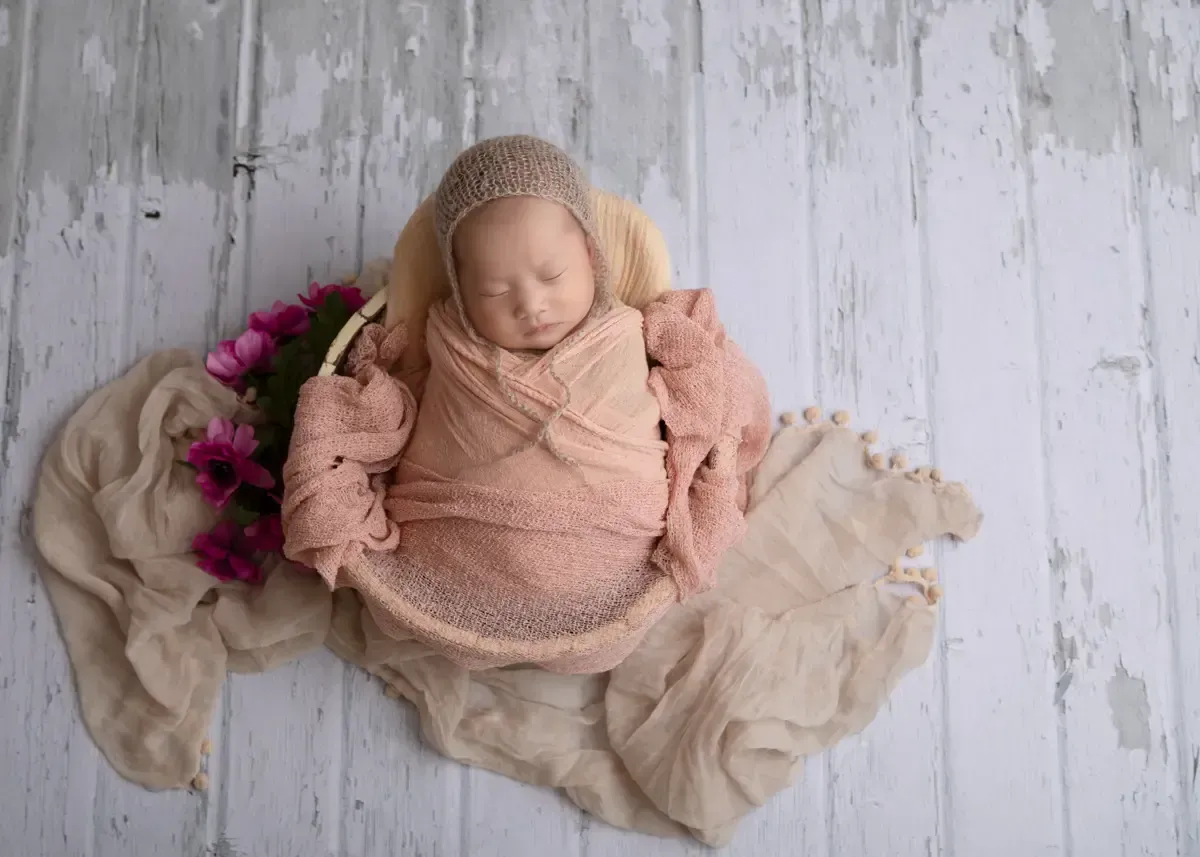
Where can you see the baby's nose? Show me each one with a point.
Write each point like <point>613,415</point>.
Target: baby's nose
<point>529,305</point>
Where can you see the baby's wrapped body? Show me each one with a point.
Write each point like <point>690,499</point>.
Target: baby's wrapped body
<point>561,542</point>
<point>556,493</point>
<point>455,529</point>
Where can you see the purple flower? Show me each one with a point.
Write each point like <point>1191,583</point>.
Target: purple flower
<point>250,352</point>
<point>281,320</point>
<point>351,296</point>
<point>227,554</point>
<point>223,462</point>
<point>266,534</point>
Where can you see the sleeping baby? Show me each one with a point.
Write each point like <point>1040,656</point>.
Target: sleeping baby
<point>574,465</point>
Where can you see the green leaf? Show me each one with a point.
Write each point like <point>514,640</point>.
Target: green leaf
<point>240,515</point>
<point>254,501</point>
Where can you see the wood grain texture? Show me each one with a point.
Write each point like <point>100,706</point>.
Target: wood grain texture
<point>1000,735</point>
<point>528,63</point>
<point>184,148</point>
<point>416,108</point>
<point>65,337</point>
<point>884,786</point>
<point>1164,59</point>
<point>974,224</point>
<point>640,121</point>
<point>1110,629</point>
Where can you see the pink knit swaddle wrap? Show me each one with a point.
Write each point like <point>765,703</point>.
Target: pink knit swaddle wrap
<point>541,508</point>
<point>496,552</point>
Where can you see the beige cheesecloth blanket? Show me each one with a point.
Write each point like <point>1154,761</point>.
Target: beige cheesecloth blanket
<point>713,713</point>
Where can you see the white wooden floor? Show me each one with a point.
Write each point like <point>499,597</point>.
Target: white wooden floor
<point>973,223</point>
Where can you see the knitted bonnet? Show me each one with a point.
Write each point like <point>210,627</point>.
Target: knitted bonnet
<point>517,165</point>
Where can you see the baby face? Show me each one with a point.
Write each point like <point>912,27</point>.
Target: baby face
<point>525,272</point>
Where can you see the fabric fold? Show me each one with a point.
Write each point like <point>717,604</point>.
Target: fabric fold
<point>717,416</point>
<point>349,432</point>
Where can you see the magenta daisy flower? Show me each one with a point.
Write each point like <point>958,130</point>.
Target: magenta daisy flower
<point>223,462</point>
<point>227,553</point>
<point>234,358</point>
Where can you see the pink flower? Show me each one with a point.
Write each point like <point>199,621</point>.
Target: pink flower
<point>250,352</point>
<point>317,294</point>
<point>281,320</point>
<point>223,460</point>
<point>266,534</point>
<point>227,554</point>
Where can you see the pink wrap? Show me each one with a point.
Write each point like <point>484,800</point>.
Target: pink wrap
<point>454,529</point>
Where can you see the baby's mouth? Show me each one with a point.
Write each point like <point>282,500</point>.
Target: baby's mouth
<point>542,328</point>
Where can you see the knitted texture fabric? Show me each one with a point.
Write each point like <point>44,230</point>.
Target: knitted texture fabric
<point>497,553</point>
<point>511,166</point>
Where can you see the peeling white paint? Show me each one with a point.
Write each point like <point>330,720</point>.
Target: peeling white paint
<point>433,130</point>
<point>4,27</point>
<point>1173,63</point>
<point>1038,35</point>
<point>297,92</point>
<point>1130,709</point>
<point>650,32</point>
<point>345,67</point>
<point>660,199</point>
<point>100,75</point>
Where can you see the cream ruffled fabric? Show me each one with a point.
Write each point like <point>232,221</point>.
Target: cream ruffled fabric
<point>711,715</point>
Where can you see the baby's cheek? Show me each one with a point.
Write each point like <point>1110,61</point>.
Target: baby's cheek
<point>480,317</point>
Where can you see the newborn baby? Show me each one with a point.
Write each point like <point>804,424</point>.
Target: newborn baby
<point>523,513</point>
<point>526,272</point>
<point>531,305</point>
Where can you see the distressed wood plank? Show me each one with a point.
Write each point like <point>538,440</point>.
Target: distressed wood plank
<point>1098,421</point>
<point>184,141</point>
<point>402,797</point>
<point>984,382</point>
<point>66,328</point>
<point>414,109</point>
<point>754,234</point>
<point>519,88</point>
<point>14,18</point>
<point>640,117</point>
<point>16,53</point>
<point>754,248</point>
<point>884,785</point>
<point>186,135</point>
<point>1164,45</point>
<point>286,729</point>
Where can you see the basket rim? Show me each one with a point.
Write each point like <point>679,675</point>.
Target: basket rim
<point>367,313</point>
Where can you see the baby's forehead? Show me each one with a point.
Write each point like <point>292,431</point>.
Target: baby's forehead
<point>521,212</point>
